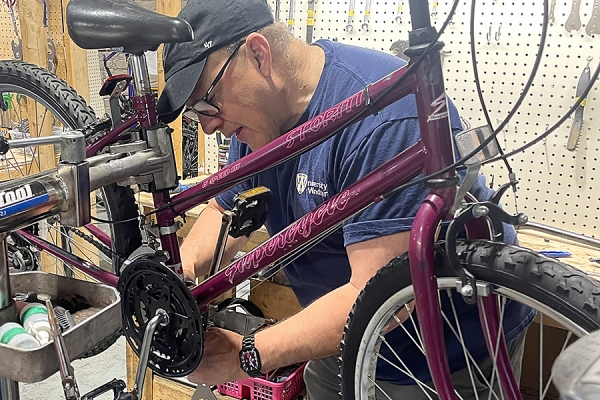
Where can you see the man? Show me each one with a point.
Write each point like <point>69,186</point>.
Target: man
<point>247,77</point>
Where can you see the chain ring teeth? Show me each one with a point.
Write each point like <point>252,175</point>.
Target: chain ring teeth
<point>145,286</point>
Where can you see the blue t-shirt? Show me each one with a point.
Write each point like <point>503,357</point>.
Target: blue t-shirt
<point>302,184</point>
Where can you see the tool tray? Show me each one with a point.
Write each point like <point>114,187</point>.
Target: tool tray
<point>35,365</point>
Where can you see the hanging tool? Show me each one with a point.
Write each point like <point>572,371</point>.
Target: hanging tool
<point>551,16</point>
<point>434,8</point>
<point>593,26</point>
<point>577,125</point>
<point>291,13</point>
<point>574,22</point>
<point>310,21</point>
<point>51,52</point>
<point>52,57</point>
<point>488,36</point>
<point>277,8</point>
<point>349,26</point>
<point>397,48</point>
<point>366,16</point>
<point>497,34</point>
<point>399,12</point>
<point>17,48</point>
<point>444,54</point>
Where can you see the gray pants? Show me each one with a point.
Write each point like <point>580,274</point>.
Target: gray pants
<point>322,382</point>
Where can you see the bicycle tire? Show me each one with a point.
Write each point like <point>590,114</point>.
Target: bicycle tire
<point>552,283</point>
<point>64,102</point>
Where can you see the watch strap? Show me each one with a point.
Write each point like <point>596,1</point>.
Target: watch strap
<point>248,345</point>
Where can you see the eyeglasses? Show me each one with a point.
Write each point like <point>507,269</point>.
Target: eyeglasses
<point>204,106</point>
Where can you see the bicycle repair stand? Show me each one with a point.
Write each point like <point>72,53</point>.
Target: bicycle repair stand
<point>28,200</point>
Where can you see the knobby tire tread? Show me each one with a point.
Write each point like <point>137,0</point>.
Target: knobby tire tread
<point>560,286</point>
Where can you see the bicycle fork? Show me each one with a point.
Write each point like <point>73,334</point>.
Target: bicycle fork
<point>421,252</point>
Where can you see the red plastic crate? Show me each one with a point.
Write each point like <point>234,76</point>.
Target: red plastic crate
<point>262,389</point>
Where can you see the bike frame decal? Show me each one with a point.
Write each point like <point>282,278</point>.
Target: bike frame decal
<point>22,198</point>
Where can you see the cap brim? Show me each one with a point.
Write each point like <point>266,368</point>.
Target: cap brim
<point>178,89</point>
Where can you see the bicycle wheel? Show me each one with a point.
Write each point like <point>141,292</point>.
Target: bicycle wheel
<point>565,298</point>
<point>36,102</point>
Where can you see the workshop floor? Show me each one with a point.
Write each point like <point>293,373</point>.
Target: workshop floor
<point>89,373</point>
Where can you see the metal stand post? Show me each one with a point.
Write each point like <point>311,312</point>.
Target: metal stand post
<point>9,389</point>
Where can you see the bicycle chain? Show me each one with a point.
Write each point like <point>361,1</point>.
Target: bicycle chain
<point>107,251</point>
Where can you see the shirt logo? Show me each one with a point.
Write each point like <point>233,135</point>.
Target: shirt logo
<point>301,181</point>
<point>208,44</point>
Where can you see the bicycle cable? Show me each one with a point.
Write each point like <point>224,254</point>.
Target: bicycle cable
<point>478,83</point>
<point>483,144</point>
<point>105,221</point>
<point>409,71</point>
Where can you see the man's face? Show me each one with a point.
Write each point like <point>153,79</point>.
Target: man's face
<point>241,97</point>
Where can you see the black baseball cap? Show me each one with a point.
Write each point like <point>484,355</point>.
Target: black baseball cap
<point>216,24</point>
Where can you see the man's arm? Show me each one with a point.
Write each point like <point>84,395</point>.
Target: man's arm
<point>315,332</point>
<point>199,246</point>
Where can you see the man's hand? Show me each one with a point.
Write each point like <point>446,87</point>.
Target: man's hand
<point>221,359</point>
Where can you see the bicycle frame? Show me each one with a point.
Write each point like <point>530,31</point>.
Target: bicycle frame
<point>432,153</point>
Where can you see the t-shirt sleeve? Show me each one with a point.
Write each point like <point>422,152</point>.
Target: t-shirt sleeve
<point>392,215</point>
<point>237,150</point>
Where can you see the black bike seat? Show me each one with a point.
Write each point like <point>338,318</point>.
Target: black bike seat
<point>99,24</point>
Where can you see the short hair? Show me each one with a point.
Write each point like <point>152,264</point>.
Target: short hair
<point>278,36</point>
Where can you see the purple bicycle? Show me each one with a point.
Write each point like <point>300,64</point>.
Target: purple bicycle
<point>164,320</point>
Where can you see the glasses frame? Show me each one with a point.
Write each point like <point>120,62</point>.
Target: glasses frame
<point>192,112</point>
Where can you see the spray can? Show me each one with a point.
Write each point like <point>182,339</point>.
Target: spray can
<point>34,318</point>
<point>13,334</point>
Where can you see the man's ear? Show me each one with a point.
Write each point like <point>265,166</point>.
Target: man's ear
<point>258,52</point>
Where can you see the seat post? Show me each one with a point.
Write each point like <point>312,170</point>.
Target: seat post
<point>141,79</point>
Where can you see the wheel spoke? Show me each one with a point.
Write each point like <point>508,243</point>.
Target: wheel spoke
<point>406,370</point>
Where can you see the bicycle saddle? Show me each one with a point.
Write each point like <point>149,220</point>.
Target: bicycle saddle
<point>98,24</point>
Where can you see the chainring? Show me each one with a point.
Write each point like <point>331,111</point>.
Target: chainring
<point>145,286</point>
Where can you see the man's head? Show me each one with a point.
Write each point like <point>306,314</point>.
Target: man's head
<point>216,24</point>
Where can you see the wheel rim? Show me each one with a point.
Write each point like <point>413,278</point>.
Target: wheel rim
<point>23,162</point>
<point>365,387</point>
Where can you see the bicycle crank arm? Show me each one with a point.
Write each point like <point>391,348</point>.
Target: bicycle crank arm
<point>160,318</point>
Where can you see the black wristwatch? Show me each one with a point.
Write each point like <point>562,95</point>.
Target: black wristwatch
<point>249,357</point>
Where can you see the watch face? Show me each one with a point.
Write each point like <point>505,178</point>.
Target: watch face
<point>249,359</point>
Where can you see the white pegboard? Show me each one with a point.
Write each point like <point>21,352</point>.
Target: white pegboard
<point>95,82</point>
<point>211,153</point>
<point>557,187</point>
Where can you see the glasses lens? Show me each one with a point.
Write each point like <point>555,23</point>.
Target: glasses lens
<point>191,114</point>
<point>204,108</point>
